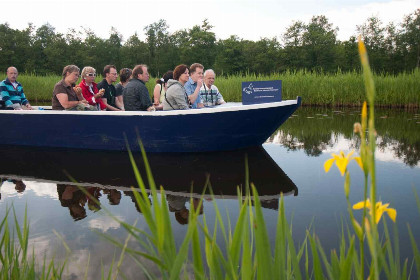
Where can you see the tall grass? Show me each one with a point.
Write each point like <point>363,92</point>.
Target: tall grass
<point>248,253</point>
<point>15,260</point>
<point>339,89</point>
<point>245,251</point>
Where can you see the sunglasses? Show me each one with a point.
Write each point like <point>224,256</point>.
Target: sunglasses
<point>91,75</point>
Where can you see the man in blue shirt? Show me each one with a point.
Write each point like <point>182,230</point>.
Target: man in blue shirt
<point>11,92</point>
<point>193,85</point>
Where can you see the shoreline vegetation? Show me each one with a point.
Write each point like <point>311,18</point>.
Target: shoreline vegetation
<point>368,249</point>
<point>333,90</point>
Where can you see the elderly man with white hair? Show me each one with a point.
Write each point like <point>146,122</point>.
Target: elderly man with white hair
<point>210,95</point>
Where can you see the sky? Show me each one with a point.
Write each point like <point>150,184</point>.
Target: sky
<point>248,19</point>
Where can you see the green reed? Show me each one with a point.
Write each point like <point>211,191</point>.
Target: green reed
<point>245,251</point>
<point>16,261</point>
<point>248,253</point>
<point>339,89</point>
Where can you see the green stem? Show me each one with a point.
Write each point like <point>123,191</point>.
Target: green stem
<point>362,247</point>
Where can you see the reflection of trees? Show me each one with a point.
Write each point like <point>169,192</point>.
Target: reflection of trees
<point>408,152</point>
<point>316,129</point>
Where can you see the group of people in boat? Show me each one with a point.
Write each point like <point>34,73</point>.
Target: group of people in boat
<point>183,88</point>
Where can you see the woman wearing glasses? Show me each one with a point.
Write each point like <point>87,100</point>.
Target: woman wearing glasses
<point>176,97</point>
<point>90,90</point>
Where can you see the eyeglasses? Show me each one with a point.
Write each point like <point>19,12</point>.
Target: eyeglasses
<point>115,74</point>
<point>91,75</point>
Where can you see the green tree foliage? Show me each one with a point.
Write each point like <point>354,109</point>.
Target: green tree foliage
<point>200,46</point>
<point>161,48</point>
<point>410,40</point>
<point>319,41</point>
<point>373,34</point>
<point>230,56</point>
<point>134,51</point>
<point>312,46</point>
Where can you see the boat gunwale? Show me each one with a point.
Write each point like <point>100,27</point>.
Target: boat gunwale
<point>235,106</point>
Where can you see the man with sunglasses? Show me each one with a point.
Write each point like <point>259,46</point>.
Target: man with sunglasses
<point>110,95</point>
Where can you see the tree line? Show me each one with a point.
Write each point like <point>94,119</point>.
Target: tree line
<point>312,46</point>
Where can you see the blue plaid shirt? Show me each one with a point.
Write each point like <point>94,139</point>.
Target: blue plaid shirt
<point>190,87</point>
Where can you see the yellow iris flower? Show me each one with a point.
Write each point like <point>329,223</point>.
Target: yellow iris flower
<point>342,161</point>
<point>380,209</point>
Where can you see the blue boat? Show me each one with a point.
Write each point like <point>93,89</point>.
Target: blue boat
<point>229,126</point>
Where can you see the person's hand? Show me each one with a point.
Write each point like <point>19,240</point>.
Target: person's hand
<point>199,83</point>
<point>151,109</point>
<point>78,90</point>
<point>101,92</point>
<point>27,107</point>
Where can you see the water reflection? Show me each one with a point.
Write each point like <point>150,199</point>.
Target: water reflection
<point>177,205</point>
<point>316,130</point>
<point>182,175</point>
<point>300,148</point>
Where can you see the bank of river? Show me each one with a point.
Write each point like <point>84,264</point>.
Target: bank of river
<point>339,89</point>
<point>290,162</point>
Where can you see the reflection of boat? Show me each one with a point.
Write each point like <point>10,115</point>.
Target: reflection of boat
<point>177,173</point>
<point>228,127</point>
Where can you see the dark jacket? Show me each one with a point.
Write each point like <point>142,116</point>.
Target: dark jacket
<point>136,96</point>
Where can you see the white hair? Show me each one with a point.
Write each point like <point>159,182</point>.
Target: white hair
<point>208,71</point>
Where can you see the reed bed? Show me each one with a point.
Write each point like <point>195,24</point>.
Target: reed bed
<point>321,89</point>
<point>366,250</point>
<point>16,260</point>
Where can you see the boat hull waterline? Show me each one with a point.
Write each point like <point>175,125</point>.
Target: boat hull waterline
<point>221,128</point>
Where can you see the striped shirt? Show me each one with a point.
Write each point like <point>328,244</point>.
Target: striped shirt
<point>11,94</point>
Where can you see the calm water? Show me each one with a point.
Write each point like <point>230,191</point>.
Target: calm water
<point>290,162</point>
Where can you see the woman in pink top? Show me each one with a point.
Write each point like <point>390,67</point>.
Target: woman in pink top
<point>89,89</point>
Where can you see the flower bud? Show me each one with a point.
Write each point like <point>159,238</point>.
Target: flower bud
<point>357,128</point>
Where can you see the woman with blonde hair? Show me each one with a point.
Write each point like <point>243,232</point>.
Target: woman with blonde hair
<point>90,90</point>
<point>160,89</point>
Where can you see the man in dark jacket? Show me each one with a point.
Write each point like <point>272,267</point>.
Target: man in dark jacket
<point>135,95</point>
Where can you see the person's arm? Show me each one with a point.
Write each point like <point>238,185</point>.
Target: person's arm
<point>219,97</point>
<point>5,96</point>
<point>102,105</point>
<point>144,99</point>
<point>179,99</point>
<point>192,96</point>
<point>109,107</point>
<point>88,96</point>
<point>156,94</point>
<point>119,102</point>
<point>199,102</point>
<point>105,101</point>
<point>27,106</point>
<point>64,101</point>
<point>24,101</point>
